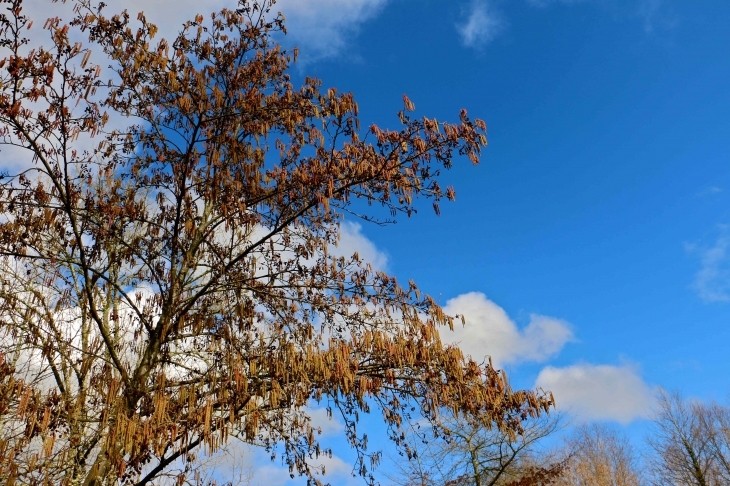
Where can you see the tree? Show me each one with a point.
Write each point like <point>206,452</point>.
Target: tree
<point>681,453</point>
<point>714,421</point>
<point>472,453</point>
<point>690,443</point>
<point>170,285</point>
<point>600,456</point>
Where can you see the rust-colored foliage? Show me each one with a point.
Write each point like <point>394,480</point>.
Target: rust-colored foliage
<point>168,286</point>
<point>542,476</point>
<point>535,476</point>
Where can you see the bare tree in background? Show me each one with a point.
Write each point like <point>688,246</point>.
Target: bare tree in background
<point>600,455</point>
<point>471,453</point>
<point>689,445</point>
<point>681,450</point>
<point>715,424</point>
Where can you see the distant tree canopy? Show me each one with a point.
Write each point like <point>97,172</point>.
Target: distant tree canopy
<point>168,286</point>
<point>470,453</point>
<point>600,456</point>
<point>688,444</point>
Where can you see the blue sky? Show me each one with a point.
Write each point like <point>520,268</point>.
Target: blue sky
<point>590,250</point>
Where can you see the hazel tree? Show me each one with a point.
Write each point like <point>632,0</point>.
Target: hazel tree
<point>168,287</point>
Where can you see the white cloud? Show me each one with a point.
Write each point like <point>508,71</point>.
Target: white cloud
<point>168,15</point>
<point>481,24</point>
<point>336,470</point>
<point>330,426</point>
<point>352,240</point>
<point>489,331</point>
<point>598,392</point>
<point>712,281</point>
<point>322,27</point>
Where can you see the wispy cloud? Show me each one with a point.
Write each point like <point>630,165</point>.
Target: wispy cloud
<point>545,3</point>
<point>648,10</point>
<point>490,332</point>
<point>325,28</point>
<point>321,28</point>
<point>655,14</point>
<point>710,191</point>
<point>712,281</point>
<point>480,24</point>
<point>599,392</point>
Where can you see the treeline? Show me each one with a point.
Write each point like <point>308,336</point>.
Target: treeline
<point>688,444</point>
